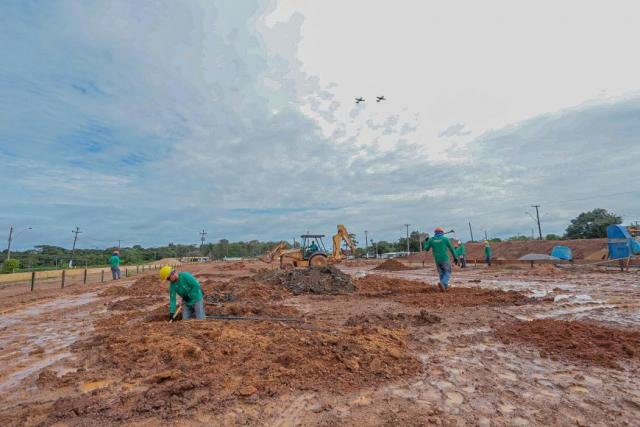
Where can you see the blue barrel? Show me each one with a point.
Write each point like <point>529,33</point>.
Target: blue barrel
<point>562,252</point>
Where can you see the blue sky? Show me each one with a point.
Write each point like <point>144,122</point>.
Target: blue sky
<point>149,121</point>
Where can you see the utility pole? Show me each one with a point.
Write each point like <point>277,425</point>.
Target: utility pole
<point>419,241</point>
<point>202,237</point>
<point>538,219</point>
<point>485,235</point>
<point>366,244</point>
<point>119,242</point>
<point>75,239</point>
<point>471,231</point>
<point>9,245</point>
<point>407,225</point>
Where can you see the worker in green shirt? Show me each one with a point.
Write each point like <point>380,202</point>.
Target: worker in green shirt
<point>460,253</point>
<point>440,244</point>
<point>185,285</point>
<point>487,253</point>
<point>114,262</point>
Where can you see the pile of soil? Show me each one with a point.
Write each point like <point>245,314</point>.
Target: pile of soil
<point>245,296</point>
<point>315,280</point>
<point>392,265</point>
<point>234,266</point>
<point>375,285</point>
<point>182,368</point>
<point>575,340</point>
<point>146,285</point>
<point>464,297</point>
<point>544,270</point>
<point>393,320</point>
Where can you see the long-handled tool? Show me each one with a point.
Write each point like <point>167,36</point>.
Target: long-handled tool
<point>176,314</point>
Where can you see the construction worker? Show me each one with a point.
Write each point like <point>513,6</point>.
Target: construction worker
<point>487,253</point>
<point>313,247</point>
<point>185,285</point>
<point>114,262</point>
<point>440,243</point>
<point>460,253</point>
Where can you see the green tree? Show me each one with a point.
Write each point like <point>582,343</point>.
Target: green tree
<point>553,237</point>
<point>592,224</point>
<point>519,237</point>
<point>9,265</point>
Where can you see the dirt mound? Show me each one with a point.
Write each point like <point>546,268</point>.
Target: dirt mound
<point>393,320</point>
<point>234,266</point>
<point>392,265</point>
<point>375,285</point>
<point>544,270</point>
<point>465,297</point>
<point>575,340</point>
<point>188,366</point>
<point>146,285</point>
<point>314,280</point>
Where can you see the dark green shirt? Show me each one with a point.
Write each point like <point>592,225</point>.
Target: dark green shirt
<point>114,261</point>
<point>187,287</point>
<point>440,244</point>
<point>487,251</point>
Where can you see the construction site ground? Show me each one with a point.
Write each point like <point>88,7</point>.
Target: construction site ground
<point>507,345</point>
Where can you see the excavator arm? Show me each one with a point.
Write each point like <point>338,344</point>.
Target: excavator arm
<point>338,238</point>
<point>274,252</point>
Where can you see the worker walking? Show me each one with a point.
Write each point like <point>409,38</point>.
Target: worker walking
<point>114,262</point>
<point>185,285</point>
<point>440,244</point>
<point>487,253</point>
<point>460,253</point>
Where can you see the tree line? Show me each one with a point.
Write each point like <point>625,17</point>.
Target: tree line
<point>587,225</point>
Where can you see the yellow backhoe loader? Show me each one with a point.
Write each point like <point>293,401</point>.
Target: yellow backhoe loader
<point>313,252</point>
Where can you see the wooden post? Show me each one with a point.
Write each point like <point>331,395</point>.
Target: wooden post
<point>531,263</point>
<point>137,269</point>
<point>33,280</point>
<point>102,276</point>
<point>63,274</point>
<point>85,276</point>
<point>126,272</point>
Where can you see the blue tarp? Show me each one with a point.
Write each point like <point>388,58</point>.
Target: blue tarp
<point>635,247</point>
<point>619,242</point>
<point>562,252</point>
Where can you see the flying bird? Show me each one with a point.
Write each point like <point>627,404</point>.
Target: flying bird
<point>359,100</point>
<point>380,98</point>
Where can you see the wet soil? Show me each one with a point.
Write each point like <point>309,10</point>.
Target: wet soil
<point>395,351</point>
<point>392,265</point>
<point>579,341</point>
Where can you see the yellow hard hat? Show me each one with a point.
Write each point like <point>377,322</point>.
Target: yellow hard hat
<point>165,272</point>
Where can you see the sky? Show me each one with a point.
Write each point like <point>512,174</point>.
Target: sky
<point>147,122</point>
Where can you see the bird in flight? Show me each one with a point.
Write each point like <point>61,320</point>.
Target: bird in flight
<point>380,98</point>
<point>359,100</point>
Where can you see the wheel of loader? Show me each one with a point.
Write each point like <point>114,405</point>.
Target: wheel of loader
<point>318,260</point>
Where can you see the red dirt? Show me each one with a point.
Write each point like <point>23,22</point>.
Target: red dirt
<point>171,370</point>
<point>137,303</point>
<point>375,285</point>
<point>234,266</point>
<point>393,320</point>
<point>392,265</point>
<point>544,270</point>
<point>576,340</point>
<point>424,295</point>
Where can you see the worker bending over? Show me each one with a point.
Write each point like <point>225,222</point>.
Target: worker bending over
<point>440,243</point>
<point>185,285</point>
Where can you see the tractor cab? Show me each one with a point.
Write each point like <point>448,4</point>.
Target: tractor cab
<point>312,244</point>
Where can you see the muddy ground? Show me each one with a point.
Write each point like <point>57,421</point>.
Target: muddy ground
<point>505,346</point>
